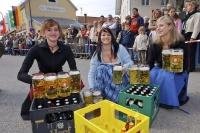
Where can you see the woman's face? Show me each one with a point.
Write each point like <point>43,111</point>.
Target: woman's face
<point>172,12</point>
<point>105,38</point>
<point>163,28</point>
<point>52,33</point>
<point>189,7</point>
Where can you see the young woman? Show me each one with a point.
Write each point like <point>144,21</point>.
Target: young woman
<point>107,54</point>
<point>50,55</point>
<point>173,86</point>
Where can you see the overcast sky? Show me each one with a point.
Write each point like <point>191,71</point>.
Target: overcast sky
<point>90,7</point>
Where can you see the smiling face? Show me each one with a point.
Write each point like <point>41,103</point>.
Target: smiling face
<point>163,28</point>
<point>52,33</point>
<point>106,38</point>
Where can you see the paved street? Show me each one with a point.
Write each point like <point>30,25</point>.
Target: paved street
<point>13,93</point>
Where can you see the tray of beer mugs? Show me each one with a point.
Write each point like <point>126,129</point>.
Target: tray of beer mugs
<point>141,97</point>
<point>55,115</point>
<point>52,85</point>
<point>172,60</point>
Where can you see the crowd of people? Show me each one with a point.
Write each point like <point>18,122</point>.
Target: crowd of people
<point>110,42</point>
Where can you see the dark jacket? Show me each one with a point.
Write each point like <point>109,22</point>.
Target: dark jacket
<point>127,39</point>
<point>155,54</point>
<point>47,61</point>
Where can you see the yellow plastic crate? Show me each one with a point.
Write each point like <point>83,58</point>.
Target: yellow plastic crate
<point>103,117</point>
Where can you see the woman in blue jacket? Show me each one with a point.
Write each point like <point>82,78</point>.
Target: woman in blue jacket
<point>107,54</point>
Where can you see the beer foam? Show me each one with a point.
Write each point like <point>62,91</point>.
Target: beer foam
<point>96,93</point>
<point>177,52</point>
<point>74,72</point>
<point>144,68</point>
<point>134,67</point>
<point>38,77</point>
<point>117,68</point>
<point>64,75</point>
<point>166,51</point>
<point>50,78</point>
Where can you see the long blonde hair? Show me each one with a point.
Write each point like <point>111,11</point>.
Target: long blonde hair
<point>175,35</point>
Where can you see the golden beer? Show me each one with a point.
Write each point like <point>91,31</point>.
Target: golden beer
<point>134,75</point>
<point>166,59</point>
<point>38,86</point>
<point>117,74</point>
<point>75,81</point>
<point>176,61</point>
<point>87,95</point>
<point>63,84</point>
<point>144,75</point>
<point>51,86</point>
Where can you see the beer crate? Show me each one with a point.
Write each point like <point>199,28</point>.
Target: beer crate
<point>51,117</point>
<point>103,117</point>
<point>143,103</point>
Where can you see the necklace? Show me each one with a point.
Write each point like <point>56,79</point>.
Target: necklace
<point>53,49</point>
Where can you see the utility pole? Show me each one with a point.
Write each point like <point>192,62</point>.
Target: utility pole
<point>31,20</point>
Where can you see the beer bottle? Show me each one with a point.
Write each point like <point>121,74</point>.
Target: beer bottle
<point>139,103</point>
<point>130,102</point>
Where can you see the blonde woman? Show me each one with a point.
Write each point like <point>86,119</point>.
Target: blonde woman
<point>173,86</point>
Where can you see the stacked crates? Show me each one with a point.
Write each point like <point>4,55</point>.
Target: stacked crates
<point>52,116</point>
<point>142,98</point>
<point>103,117</point>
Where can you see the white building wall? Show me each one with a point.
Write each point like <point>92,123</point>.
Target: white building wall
<point>127,6</point>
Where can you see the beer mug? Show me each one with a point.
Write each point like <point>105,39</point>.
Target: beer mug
<point>176,60</point>
<point>134,75</point>
<point>63,84</point>
<point>75,81</point>
<point>51,86</point>
<point>38,86</point>
<point>166,59</point>
<point>144,75</point>
<point>87,95</point>
<point>117,74</point>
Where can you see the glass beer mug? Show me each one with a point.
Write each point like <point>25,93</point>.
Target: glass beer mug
<point>134,75</point>
<point>51,86</point>
<point>176,60</point>
<point>63,84</point>
<point>38,86</point>
<point>117,74</point>
<point>144,75</point>
<point>166,59</point>
<point>75,81</point>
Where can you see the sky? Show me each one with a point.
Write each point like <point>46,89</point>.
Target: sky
<point>90,7</point>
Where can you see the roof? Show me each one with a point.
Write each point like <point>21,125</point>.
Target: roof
<point>63,22</point>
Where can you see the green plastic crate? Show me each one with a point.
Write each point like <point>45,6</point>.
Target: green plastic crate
<point>150,104</point>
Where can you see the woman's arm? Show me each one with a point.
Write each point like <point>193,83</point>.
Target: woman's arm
<point>28,62</point>
<point>93,66</point>
<point>70,59</point>
<point>124,57</point>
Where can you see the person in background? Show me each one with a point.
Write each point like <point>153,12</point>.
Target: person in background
<point>173,86</point>
<point>126,38</point>
<point>50,55</point>
<point>140,45</point>
<point>107,54</point>
<point>178,23</point>
<point>191,27</point>
<point>2,48</point>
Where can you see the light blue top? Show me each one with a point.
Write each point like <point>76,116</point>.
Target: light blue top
<point>123,58</point>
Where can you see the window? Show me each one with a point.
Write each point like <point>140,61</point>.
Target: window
<point>145,2</point>
<point>52,0</point>
<point>164,2</point>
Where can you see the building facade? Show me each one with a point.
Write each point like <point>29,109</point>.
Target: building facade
<point>124,7</point>
<point>34,12</point>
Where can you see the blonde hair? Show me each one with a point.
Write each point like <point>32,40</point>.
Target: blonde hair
<point>175,35</point>
<point>50,23</point>
<point>141,29</point>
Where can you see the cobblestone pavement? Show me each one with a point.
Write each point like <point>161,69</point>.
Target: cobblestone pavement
<point>13,93</point>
